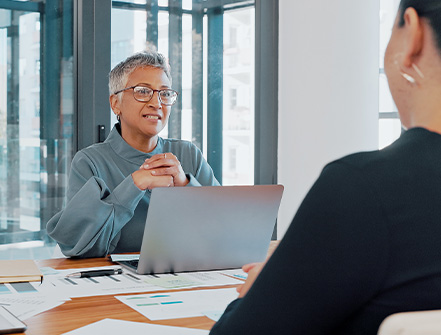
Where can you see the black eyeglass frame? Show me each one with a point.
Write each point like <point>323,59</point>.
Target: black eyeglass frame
<point>159,94</point>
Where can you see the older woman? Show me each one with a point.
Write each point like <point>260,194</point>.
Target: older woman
<point>109,183</point>
<point>365,242</point>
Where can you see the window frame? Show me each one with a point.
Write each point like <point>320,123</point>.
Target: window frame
<point>92,63</point>
<point>93,68</point>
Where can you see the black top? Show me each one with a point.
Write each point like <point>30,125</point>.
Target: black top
<point>365,243</point>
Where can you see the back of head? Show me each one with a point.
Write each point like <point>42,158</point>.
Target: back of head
<point>429,9</point>
<point>119,75</point>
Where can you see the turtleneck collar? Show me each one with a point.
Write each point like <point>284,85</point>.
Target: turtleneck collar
<point>123,149</point>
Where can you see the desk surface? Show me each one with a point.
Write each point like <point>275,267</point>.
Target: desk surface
<point>80,312</point>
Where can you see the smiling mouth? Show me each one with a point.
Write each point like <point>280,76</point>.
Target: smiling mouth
<point>152,117</point>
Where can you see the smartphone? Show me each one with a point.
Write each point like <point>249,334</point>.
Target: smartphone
<point>9,323</point>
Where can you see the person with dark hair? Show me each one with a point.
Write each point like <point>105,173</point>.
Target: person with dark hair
<point>365,242</point>
<point>109,186</point>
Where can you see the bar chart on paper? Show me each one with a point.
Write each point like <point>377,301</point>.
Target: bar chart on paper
<point>183,304</point>
<point>26,299</point>
<point>4,289</point>
<point>22,287</point>
<point>103,285</point>
<point>128,282</point>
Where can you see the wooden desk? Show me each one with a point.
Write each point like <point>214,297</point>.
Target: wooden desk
<point>80,312</point>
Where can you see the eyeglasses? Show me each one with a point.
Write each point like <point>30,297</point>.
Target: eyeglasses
<point>167,96</point>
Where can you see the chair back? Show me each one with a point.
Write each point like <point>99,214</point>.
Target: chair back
<point>412,323</point>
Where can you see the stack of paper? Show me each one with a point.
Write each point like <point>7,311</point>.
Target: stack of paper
<point>26,299</point>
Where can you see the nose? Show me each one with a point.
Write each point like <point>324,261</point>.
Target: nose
<point>154,101</point>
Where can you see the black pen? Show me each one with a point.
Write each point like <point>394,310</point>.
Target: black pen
<point>95,273</point>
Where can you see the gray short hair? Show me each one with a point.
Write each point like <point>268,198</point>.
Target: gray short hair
<point>119,75</point>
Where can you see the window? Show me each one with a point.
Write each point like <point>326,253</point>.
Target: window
<point>211,51</point>
<point>389,121</point>
<point>36,115</point>
<point>54,92</point>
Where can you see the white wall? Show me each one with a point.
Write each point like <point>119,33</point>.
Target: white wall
<point>328,90</point>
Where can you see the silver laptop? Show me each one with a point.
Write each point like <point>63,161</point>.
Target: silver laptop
<point>208,227</point>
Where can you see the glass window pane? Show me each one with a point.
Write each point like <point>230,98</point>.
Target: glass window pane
<point>36,117</point>
<point>389,129</point>
<point>238,137</point>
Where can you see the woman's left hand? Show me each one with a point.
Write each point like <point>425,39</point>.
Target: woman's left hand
<point>166,164</point>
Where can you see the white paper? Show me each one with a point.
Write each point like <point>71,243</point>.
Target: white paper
<point>191,279</point>
<point>118,327</point>
<point>29,309</point>
<point>236,273</point>
<point>102,285</point>
<point>27,304</point>
<point>56,289</point>
<point>185,304</point>
<point>211,278</point>
<point>130,282</point>
<point>31,290</point>
<point>31,299</point>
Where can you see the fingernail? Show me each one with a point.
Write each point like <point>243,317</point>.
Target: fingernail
<point>153,172</point>
<point>145,166</point>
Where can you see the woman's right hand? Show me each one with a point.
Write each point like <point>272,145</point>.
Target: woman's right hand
<point>253,270</point>
<point>143,179</point>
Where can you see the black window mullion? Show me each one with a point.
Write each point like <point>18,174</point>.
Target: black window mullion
<point>93,66</point>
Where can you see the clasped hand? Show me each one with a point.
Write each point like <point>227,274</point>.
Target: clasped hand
<point>160,170</point>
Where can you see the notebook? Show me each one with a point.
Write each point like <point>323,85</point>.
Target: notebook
<point>19,270</point>
<point>207,228</point>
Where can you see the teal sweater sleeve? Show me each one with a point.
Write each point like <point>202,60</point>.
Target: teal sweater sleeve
<point>94,215</point>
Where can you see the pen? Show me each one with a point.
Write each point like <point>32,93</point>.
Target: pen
<point>95,273</point>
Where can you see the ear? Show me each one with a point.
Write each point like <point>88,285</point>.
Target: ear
<point>414,36</point>
<point>114,103</point>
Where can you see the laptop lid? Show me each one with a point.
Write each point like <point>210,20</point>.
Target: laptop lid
<point>208,227</point>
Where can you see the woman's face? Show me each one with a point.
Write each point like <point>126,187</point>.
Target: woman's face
<point>143,119</point>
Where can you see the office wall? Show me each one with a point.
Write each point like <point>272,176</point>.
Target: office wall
<point>328,90</point>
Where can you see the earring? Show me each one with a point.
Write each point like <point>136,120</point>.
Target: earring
<point>118,117</point>
<point>408,77</point>
<point>417,70</point>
